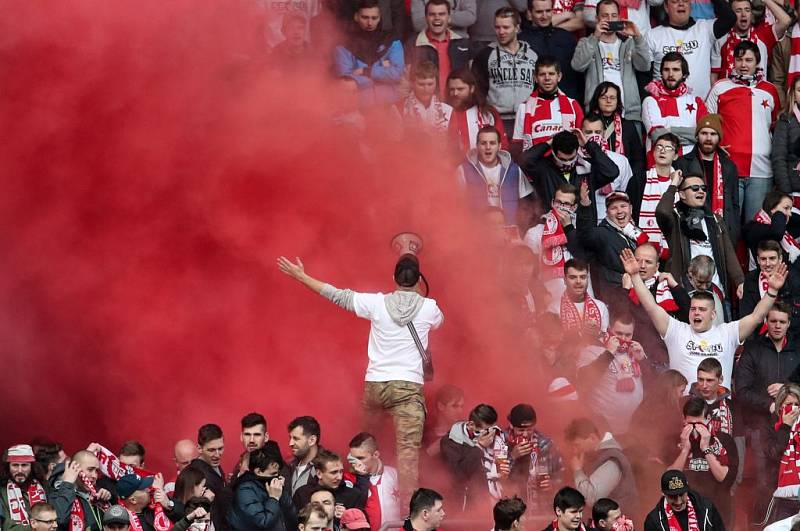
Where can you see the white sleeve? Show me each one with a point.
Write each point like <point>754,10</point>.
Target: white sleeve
<point>525,186</point>
<point>716,58</point>
<point>603,316</point>
<point>533,238</point>
<point>364,304</point>
<point>674,330</point>
<point>732,334</point>
<point>713,97</point>
<point>462,180</point>
<point>519,122</point>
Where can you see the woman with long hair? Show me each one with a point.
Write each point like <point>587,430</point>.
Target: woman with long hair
<point>623,137</point>
<point>782,450</point>
<point>786,143</point>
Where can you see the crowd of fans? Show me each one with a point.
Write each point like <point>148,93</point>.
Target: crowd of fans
<point>639,163</point>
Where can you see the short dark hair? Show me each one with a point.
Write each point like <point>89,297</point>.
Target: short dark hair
<point>769,245</point>
<point>488,129</point>
<point>261,458</point>
<point>208,432</point>
<point>568,498</point>
<point>591,117</point>
<point>772,199</point>
<point>695,406</point>
<point>747,46</point>
<point>703,296</point>
<point>547,60</point>
<point>423,499</point>
<point>253,419</point>
<point>309,425</point>
<point>132,448</point>
<point>522,413</point>
<point>508,12</point>
<point>366,4</point>
<point>483,413</point>
<point>438,3</point>
<point>38,508</point>
<point>580,428</point>
<point>304,515</point>
<point>781,306</point>
<point>564,142</point>
<point>324,457</point>
<point>507,511</point>
<point>577,264</point>
<point>672,139</point>
<point>605,3</point>
<point>601,508</point>
<point>711,365</point>
<point>671,57</point>
<point>625,318</point>
<point>364,438</point>
<point>449,393</point>
<point>566,188</point>
<point>198,501</point>
<point>600,91</point>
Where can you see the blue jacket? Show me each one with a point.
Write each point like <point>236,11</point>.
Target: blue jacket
<point>253,509</point>
<point>509,184</point>
<point>378,83</point>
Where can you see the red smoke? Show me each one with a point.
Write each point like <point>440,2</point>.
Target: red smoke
<point>154,166</point>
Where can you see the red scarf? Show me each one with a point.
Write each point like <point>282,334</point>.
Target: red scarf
<point>618,146</point>
<point>663,295</point>
<point>732,41</point>
<point>788,243</point>
<point>160,522</point>
<point>17,506</point>
<point>672,520</point>
<point>76,514</point>
<point>569,119</point>
<point>572,320</point>
<point>657,89</point>
<point>789,470</point>
<point>553,242</point>
<point>794,59</point>
<point>717,188</point>
<point>722,420</point>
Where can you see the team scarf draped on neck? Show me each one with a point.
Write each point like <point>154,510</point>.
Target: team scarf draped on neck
<point>630,232</point>
<point>722,418</point>
<point>663,294</point>
<point>788,243</point>
<point>733,40</point>
<point>160,522</point>
<point>624,366</point>
<point>657,89</point>
<point>789,469</point>
<point>654,187</point>
<point>413,108</point>
<point>717,188</point>
<point>615,128</point>
<point>794,60</point>
<point>16,502</point>
<point>77,516</point>
<point>554,241</point>
<point>532,103</point>
<point>747,80</point>
<point>572,320</point>
<point>672,520</point>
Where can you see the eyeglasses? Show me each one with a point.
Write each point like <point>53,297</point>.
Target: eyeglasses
<point>557,203</point>
<point>695,188</point>
<point>664,149</point>
<point>47,522</point>
<point>608,97</point>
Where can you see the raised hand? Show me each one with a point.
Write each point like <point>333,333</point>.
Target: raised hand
<point>676,178</point>
<point>778,277</point>
<point>71,472</point>
<point>295,270</point>
<point>585,199</point>
<point>629,262</point>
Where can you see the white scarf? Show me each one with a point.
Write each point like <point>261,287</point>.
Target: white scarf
<point>654,188</point>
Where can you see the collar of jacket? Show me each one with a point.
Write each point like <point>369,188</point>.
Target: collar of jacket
<point>423,40</point>
<point>691,22</point>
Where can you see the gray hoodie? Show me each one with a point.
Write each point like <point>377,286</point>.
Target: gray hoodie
<point>507,79</point>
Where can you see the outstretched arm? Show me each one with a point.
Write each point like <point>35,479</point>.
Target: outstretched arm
<point>749,323</point>
<point>657,314</point>
<point>340,297</point>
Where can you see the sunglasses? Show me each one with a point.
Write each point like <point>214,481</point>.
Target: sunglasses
<point>695,188</point>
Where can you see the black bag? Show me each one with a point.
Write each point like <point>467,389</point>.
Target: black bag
<point>427,358</point>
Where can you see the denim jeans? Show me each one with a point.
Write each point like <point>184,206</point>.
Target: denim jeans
<point>751,195</point>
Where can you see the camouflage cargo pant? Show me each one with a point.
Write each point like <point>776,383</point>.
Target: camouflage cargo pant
<point>405,402</point>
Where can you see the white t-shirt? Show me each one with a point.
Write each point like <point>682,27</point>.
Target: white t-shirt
<point>699,248</point>
<point>694,43</point>
<point>687,348</point>
<point>393,355</point>
<point>612,63</point>
<point>618,185</point>
<point>492,176</point>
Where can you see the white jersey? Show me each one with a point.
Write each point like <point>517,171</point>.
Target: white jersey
<point>275,10</point>
<point>694,43</point>
<point>661,114</point>
<point>748,113</point>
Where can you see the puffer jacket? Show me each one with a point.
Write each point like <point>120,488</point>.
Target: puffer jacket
<point>254,509</point>
<point>786,153</point>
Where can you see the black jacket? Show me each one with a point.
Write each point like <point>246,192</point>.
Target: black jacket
<point>540,168</point>
<point>634,152</point>
<point>419,48</point>
<point>754,232</point>
<point>691,163</point>
<point>605,243</point>
<point>350,497</point>
<point>760,366</point>
<point>708,518</point>
<point>789,293</point>
<point>254,509</point>
<point>786,153</point>
<point>465,464</point>
<point>223,496</point>
<point>560,44</point>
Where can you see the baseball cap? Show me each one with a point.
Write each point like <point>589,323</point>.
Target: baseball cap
<point>617,196</point>
<point>673,483</point>
<point>116,514</point>
<point>354,519</point>
<point>130,483</point>
<point>20,453</point>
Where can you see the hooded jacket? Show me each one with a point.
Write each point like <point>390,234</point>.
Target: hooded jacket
<point>368,51</point>
<point>506,79</point>
<point>708,518</point>
<point>223,496</point>
<point>511,187</point>
<point>254,509</point>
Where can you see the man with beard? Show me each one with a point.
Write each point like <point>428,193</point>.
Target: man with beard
<point>492,179</point>
<point>471,113</point>
<point>670,108</point>
<point>560,160</point>
<point>749,106</point>
<point>254,435</point>
<point>720,174</point>
<point>693,38</point>
<point>304,437</point>
<point>681,509</point>
<point>77,503</point>
<point>547,110</point>
<point>21,489</point>
<point>371,57</point>
<point>555,240</point>
<point>493,67</point>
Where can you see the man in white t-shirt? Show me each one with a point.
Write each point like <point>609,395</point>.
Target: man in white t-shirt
<point>689,344</point>
<point>395,371</point>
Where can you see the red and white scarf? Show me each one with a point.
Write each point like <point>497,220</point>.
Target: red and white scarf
<point>413,108</point>
<point>794,60</point>
<point>630,232</point>
<point>654,187</point>
<point>18,506</point>
<point>657,89</point>
<point>76,515</point>
<point>788,243</point>
<point>722,419</point>
<point>615,128</point>
<point>160,522</point>
<point>568,116</point>
<point>554,243</point>
<point>464,125</point>
<point>789,469</point>
<point>624,366</point>
<point>717,188</point>
<point>733,40</point>
<point>663,294</point>
<point>672,520</point>
<point>571,319</point>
